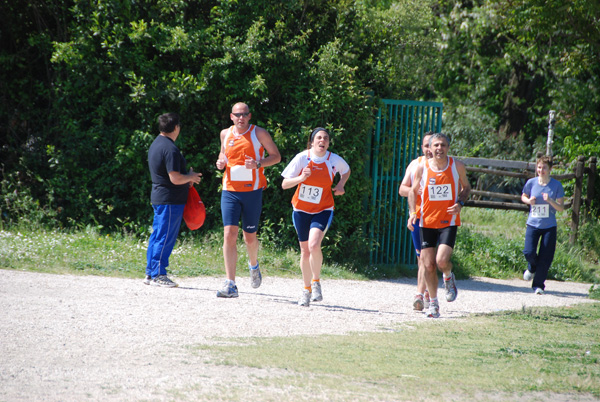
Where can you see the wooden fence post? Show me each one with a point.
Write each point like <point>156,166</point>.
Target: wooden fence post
<point>578,170</point>
<point>591,181</point>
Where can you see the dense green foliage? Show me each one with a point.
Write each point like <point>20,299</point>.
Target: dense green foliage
<point>509,63</point>
<point>82,82</point>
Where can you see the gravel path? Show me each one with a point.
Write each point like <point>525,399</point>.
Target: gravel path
<point>73,338</point>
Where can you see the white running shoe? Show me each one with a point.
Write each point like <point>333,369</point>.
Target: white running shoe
<point>317,295</point>
<point>527,275</point>
<point>451,291</point>
<point>418,304</point>
<point>229,290</point>
<point>434,310</point>
<point>255,277</point>
<point>304,299</point>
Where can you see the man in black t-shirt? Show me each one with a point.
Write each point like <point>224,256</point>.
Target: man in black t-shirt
<point>170,186</point>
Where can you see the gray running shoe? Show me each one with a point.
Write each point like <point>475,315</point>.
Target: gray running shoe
<point>451,290</point>
<point>434,310</point>
<point>418,303</point>
<point>164,281</point>
<point>229,290</point>
<point>255,277</point>
<point>527,275</point>
<point>147,280</point>
<point>539,291</point>
<point>317,295</point>
<point>426,299</point>
<point>305,298</point>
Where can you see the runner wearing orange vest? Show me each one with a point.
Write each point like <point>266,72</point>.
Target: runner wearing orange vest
<point>314,194</point>
<point>440,189</point>
<point>239,147</point>
<point>421,299</point>
<point>313,171</point>
<point>445,189</point>
<point>242,156</point>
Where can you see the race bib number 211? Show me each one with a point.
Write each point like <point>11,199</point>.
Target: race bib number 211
<point>540,211</point>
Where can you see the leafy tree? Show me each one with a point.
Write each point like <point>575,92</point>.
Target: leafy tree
<point>117,65</point>
<point>516,60</point>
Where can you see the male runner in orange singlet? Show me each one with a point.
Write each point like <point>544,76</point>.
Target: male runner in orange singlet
<point>445,190</point>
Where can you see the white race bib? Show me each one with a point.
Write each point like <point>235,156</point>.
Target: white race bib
<point>240,173</point>
<point>540,211</point>
<point>310,194</point>
<point>440,192</point>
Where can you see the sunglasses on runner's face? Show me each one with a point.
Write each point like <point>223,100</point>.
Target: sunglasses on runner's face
<point>241,114</point>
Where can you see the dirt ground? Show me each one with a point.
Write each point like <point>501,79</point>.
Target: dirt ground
<point>74,338</point>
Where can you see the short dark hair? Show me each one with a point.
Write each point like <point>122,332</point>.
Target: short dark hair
<point>544,159</point>
<point>426,134</point>
<point>435,136</point>
<point>167,122</point>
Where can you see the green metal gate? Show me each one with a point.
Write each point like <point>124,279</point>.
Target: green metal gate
<point>398,134</point>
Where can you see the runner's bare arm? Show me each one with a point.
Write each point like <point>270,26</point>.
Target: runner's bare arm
<point>527,200</point>
<point>558,204</point>
<point>339,188</point>
<point>293,182</point>
<point>222,160</point>
<point>273,155</point>
<point>412,197</point>
<point>406,183</point>
<point>465,188</point>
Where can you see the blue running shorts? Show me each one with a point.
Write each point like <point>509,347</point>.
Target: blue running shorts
<point>303,222</point>
<point>247,204</point>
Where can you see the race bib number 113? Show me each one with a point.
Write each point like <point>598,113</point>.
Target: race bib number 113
<point>310,194</point>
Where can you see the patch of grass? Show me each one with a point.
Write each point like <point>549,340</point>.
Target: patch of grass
<point>547,350</point>
<point>82,252</point>
<point>88,252</point>
<point>509,225</point>
<point>490,243</point>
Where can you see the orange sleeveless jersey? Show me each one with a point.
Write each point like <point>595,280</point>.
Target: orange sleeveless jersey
<point>440,192</point>
<point>237,147</point>
<point>314,195</point>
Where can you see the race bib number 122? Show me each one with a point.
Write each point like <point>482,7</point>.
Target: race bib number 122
<point>440,192</point>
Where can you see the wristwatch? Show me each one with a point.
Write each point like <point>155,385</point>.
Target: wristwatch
<point>461,203</point>
<point>258,165</point>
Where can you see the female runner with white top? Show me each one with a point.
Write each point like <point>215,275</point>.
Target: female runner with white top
<point>312,172</point>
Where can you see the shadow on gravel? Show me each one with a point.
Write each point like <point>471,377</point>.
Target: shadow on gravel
<point>505,288</point>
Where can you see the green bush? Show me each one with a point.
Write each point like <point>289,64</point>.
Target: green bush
<point>82,83</point>
<point>110,68</point>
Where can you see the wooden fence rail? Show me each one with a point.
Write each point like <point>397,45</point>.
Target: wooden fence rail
<point>526,170</point>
